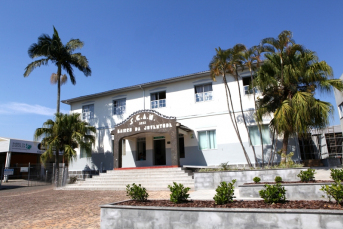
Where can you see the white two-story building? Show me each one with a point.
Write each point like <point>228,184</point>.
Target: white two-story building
<point>173,122</point>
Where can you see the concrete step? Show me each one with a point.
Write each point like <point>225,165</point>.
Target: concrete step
<point>151,179</point>
<point>133,180</point>
<point>136,182</point>
<point>148,170</point>
<point>114,188</point>
<point>155,176</point>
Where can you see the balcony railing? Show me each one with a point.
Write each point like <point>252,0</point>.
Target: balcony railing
<point>158,103</point>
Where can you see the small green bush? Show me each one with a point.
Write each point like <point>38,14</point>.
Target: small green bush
<point>273,193</point>
<point>306,176</point>
<point>136,192</point>
<point>256,179</point>
<point>225,192</point>
<point>334,191</point>
<point>178,193</point>
<point>224,166</point>
<point>336,174</point>
<point>278,179</point>
<point>72,179</point>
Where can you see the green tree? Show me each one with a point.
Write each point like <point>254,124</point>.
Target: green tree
<point>52,49</point>
<point>64,134</point>
<point>220,66</point>
<point>236,60</point>
<point>288,81</point>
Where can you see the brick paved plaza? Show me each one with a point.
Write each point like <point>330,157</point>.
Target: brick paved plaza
<point>43,207</point>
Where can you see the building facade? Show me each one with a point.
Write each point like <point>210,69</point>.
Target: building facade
<point>177,121</point>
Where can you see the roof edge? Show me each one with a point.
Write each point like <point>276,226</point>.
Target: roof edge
<point>134,87</point>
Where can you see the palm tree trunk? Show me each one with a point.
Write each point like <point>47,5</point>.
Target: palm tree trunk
<point>57,153</point>
<point>233,119</point>
<point>273,150</point>
<point>258,121</point>
<point>245,123</point>
<point>284,146</point>
<point>58,88</point>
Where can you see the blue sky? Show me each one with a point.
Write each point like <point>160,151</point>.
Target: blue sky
<point>132,42</point>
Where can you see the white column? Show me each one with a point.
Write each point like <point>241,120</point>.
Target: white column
<point>7,164</point>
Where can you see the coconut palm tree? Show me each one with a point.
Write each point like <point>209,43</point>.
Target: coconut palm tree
<point>288,83</point>
<point>236,60</point>
<point>64,134</point>
<point>219,66</point>
<point>279,45</point>
<point>53,50</point>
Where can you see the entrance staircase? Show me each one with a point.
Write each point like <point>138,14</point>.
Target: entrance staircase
<point>153,179</point>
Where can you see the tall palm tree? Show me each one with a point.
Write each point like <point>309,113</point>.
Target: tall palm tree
<point>64,134</point>
<point>236,60</point>
<point>52,49</point>
<point>288,88</point>
<point>279,45</point>
<point>252,60</point>
<point>219,65</point>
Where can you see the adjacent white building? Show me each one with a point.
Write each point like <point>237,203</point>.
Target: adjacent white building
<point>199,106</point>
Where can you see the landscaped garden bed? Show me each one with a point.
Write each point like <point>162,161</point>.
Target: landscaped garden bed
<point>274,211</point>
<point>293,182</point>
<point>295,204</point>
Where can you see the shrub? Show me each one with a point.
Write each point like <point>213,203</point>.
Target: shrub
<point>278,179</point>
<point>178,193</point>
<point>72,179</point>
<point>336,174</point>
<point>256,179</point>
<point>136,192</point>
<point>225,192</point>
<point>306,176</point>
<point>224,166</point>
<point>273,193</point>
<point>334,191</point>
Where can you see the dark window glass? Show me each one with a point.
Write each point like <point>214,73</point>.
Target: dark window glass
<point>141,149</point>
<point>182,146</point>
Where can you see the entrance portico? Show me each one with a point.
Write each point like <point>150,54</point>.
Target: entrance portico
<point>161,129</point>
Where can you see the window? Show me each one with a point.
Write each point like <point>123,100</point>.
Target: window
<point>246,83</point>
<point>83,153</point>
<point>158,99</point>
<point>119,106</point>
<point>88,112</point>
<point>340,108</point>
<point>181,146</point>
<point>203,92</point>
<point>141,149</point>
<point>255,135</point>
<point>207,139</point>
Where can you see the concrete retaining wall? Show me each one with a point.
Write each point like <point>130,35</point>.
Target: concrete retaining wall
<point>211,180</point>
<point>119,216</point>
<point>293,191</point>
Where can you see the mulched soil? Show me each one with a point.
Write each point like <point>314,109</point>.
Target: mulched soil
<point>294,182</point>
<point>296,204</point>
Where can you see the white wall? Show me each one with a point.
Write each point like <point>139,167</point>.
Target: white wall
<point>180,102</point>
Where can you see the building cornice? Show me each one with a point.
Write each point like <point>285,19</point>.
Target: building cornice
<point>137,87</point>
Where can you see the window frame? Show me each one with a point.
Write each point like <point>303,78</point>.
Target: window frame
<point>246,87</point>
<point>158,99</point>
<point>91,115</point>
<point>203,93</point>
<point>270,135</point>
<point>114,112</point>
<point>215,146</point>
